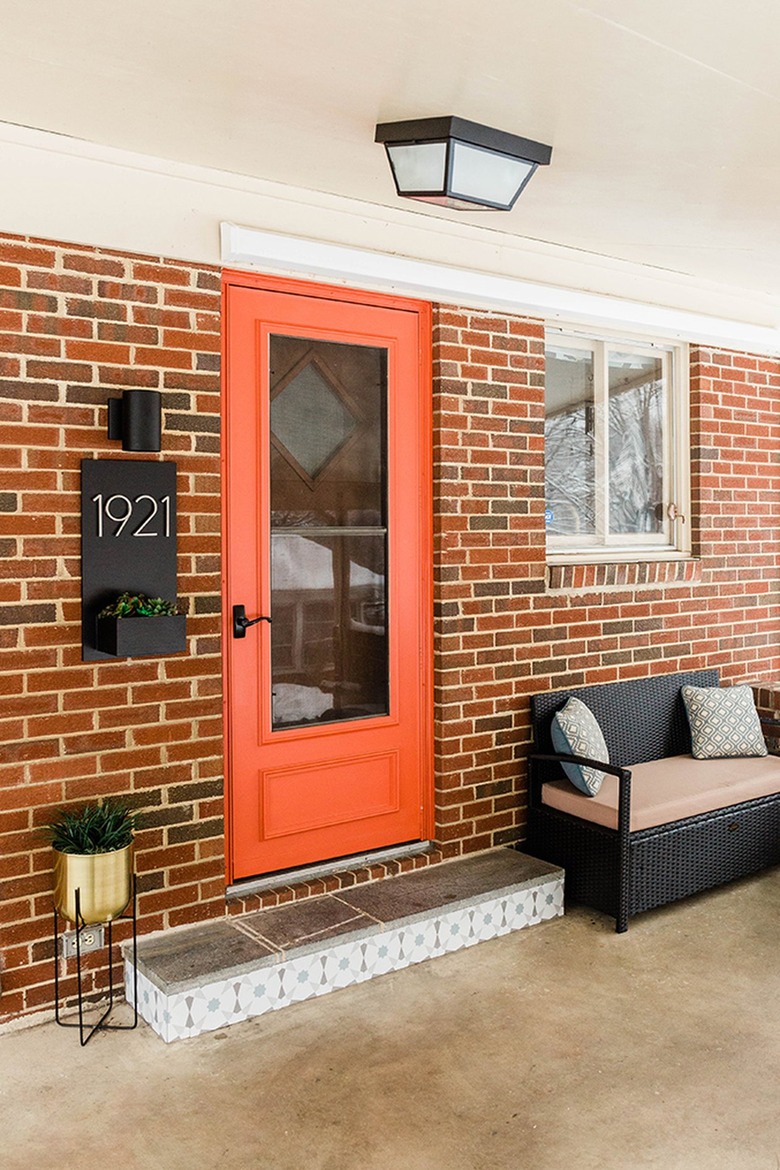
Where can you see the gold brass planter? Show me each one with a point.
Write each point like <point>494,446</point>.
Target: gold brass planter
<point>104,882</point>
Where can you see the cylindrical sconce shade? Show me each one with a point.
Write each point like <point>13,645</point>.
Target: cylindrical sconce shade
<point>136,419</point>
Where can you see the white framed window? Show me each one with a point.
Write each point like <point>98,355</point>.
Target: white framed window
<point>617,454</point>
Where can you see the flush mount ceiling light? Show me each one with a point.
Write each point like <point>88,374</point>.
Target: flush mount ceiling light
<point>459,164</point>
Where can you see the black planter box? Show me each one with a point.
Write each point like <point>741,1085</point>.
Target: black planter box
<point>139,637</point>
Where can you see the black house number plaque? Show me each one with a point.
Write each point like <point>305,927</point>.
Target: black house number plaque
<point>128,536</point>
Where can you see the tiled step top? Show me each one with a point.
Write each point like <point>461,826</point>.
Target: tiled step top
<point>180,961</point>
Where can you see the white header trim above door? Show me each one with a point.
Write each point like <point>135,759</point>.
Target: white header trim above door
<point>270,252</point>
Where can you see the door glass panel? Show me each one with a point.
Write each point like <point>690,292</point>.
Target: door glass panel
<point>328,461</point>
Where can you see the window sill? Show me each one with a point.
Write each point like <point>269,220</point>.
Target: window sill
<point>670,570</point>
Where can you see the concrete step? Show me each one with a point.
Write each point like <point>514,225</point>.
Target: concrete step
<point>210,976</point>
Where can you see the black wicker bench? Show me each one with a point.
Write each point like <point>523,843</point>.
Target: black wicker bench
<point>623,871</point>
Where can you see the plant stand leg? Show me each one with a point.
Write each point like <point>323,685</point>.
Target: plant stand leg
<point>101,1025</point>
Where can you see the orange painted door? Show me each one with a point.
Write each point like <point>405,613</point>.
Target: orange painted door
<point>327,520</point>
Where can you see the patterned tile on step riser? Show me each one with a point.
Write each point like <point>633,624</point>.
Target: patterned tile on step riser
<point>549,900</point>
<point>500,916</point>
<point>151,1001</point>
<point>243,997</point>
<point>231,1000</point>
<point>487,920</point>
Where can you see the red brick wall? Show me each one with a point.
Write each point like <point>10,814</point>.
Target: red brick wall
<point>489,567</point>
<point>76,326</point>
<point>506,626</point>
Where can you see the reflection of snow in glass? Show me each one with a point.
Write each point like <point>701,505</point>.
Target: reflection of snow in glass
<point>329,633</point>
<point>294,703</point>
<point>301,563</point>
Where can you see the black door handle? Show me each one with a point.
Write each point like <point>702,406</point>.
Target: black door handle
<point>241,622</point>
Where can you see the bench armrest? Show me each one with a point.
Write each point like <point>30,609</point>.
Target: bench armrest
<point>624,781</point>
<point>563,758</point>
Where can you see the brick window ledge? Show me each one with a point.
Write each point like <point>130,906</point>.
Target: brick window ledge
<point>623,573</point>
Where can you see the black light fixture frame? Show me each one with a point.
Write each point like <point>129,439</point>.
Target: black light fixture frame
<point>427,131</point>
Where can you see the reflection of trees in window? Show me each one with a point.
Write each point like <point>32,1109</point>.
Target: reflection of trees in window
<point>636,471</point>
<point>570,470</point>
<point>570,441</point>
<point>606,444</point>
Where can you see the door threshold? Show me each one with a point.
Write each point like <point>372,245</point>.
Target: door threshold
<point>291,877</point>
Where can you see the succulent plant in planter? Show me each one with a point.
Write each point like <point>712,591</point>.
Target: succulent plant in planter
<point>123,628</point>
<point>93,853</point>
<point>139,605</point>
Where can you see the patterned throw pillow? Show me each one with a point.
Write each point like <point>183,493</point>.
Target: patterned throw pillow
<point>575,732</point>
<point>724,722</point>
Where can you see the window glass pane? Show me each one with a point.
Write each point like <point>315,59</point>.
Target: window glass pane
<point>570,442</point>
<point>636,444</point>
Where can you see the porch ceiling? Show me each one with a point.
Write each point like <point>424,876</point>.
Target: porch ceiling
<point>664,117</point>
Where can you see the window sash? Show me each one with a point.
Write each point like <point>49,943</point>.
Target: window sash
<point>673,536</point>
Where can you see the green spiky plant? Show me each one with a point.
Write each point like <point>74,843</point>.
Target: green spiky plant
<point>139,605</point>
<point>97,828</point>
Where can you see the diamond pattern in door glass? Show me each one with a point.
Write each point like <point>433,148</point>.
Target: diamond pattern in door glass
<point>310,420</point>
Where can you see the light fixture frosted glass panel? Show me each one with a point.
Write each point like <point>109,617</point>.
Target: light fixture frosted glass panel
<point>490,178</point>
<point>419,166</point>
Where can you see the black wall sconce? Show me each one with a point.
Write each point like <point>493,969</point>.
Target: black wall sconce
<point>136,420</point>
<point>460,164</point>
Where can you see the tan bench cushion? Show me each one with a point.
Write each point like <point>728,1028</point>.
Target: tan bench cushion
<point>670,789</point>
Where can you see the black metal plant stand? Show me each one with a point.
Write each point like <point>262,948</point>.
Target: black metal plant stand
<point>84,1034</point>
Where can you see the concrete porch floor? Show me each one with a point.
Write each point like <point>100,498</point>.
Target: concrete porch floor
<point>563,1046</point>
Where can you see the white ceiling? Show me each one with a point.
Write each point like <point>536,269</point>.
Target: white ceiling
<point>663,115</point>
